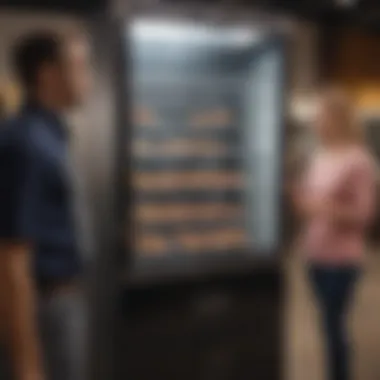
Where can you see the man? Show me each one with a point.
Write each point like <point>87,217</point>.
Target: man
<point>40,260</point>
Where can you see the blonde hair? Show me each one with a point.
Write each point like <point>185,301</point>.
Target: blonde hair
<point>340,104</point>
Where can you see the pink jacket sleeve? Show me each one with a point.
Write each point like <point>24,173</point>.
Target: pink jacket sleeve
<point>362,189</point>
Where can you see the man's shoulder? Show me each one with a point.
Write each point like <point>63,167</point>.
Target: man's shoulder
<point>16,133</point>
<point>9,132</point>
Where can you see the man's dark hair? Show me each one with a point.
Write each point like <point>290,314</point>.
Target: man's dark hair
<point>32,52</point>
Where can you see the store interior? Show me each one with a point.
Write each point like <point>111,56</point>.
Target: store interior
<point>195,127</point>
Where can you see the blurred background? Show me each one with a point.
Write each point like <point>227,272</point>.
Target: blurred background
<point>199,119</point>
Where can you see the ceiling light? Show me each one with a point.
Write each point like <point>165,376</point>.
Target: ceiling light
<point>177,32</point>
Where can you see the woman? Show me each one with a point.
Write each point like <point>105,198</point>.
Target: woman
<point>336,200</point>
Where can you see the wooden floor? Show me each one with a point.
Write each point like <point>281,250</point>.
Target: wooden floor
<point>304,354</point>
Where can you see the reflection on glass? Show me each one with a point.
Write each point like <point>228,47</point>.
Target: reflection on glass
<point>193,182</point>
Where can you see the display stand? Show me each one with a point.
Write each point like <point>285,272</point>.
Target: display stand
<point>196,313</point>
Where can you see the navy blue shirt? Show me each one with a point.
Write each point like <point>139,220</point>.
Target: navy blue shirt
<point>36,197</point>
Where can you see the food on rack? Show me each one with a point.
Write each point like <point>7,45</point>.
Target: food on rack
<point>228,238</point>
<point>218,117</point>
<point>179,148</point>
<point>191,242</point>
<point>152,213</point>
<point>151,243</point>
<point>223,239</point>
<point>144,116</point>
<point>194,180</point>
<point>142,148</point>
<point>191,148</point>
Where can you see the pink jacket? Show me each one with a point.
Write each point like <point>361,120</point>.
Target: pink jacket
<point>348,177</point>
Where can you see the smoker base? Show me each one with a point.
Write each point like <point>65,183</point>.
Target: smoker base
<point>226,328</point>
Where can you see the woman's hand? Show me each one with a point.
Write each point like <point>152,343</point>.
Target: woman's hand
<point>305,204</point>
<point>309,206</point>
<point>315,207</point>
<point>330,211</point>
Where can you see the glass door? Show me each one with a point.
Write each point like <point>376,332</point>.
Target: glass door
<point>263,146</point>
<point>206,144</point>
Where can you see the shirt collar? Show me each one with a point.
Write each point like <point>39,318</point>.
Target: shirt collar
<point>52,118</point>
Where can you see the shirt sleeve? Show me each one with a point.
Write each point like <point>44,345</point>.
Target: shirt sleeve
<point>362,187</point>
<point>19,189</point>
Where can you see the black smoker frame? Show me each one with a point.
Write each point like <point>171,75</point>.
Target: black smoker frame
<point>160,269</point>
<point>160,309</point>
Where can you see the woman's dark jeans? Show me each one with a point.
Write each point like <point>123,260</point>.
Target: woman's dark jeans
<point>334,287</point>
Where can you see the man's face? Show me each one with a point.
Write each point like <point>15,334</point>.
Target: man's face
<point>76,79</point>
